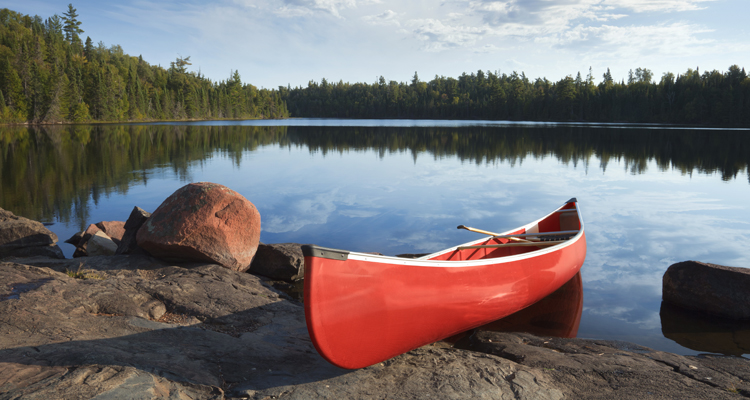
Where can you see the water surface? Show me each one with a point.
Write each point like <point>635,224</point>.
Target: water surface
<point>650,195</point>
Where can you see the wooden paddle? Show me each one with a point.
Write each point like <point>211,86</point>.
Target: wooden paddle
<point>491,233</point>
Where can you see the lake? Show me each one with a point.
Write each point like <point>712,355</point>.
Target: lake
<point>650,195</point>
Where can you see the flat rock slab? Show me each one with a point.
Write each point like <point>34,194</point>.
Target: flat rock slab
<point>710,288</point>
<point>138,327</point>
<point>94,381</point>
<point>599,369</point>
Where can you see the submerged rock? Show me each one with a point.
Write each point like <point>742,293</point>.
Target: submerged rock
<point>203,222</point>
<point>714,289</point>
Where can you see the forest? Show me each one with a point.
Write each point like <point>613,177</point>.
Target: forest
<point>48,74</point>
<point>694,98</point>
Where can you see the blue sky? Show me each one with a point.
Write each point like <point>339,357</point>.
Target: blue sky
<point>278,42</point>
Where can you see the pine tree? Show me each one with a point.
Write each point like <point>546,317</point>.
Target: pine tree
<point>88,48</point>
<point>12,86</point>
<point>72,25</point>
<point>3,107</point>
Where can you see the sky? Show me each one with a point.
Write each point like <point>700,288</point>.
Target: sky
<point>274,43</point>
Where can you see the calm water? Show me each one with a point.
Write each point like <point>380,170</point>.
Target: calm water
<point>650,196</point>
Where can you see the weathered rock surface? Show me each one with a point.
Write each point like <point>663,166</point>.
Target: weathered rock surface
<point>94,381</point>
<point>710,288</point>
<point>593,369</point>
<point>138,327</point>
<point>203,222</point>
<point>283,261</point>
<point>128,244</point>
<point>22,237</point>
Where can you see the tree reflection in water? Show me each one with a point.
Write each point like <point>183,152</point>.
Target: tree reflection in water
<point>51,172</point>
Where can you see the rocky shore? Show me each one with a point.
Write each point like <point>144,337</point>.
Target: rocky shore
<point>137,327</point>
<point>131,326</point>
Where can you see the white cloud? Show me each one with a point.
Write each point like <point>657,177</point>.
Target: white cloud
<point>679,38</point>
<point>359,213</point>
<point>657,5</point>
<point>292,12</point>
<point>388,17</point>
<point>438,36</point>
<point>333,7</point>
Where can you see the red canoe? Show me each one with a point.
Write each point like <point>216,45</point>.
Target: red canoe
<point>362,308</point>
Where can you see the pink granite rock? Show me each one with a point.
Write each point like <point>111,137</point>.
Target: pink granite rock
<point>203,222</point>
<point>113,229</point>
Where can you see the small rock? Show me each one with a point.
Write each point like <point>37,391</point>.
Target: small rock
<point>128,244</point>
<point>113,229</point>
<point>101,245</point>
<point>75,239</point>
<point>283,261</point>
<point>81,246</point>
<point>710,288</point>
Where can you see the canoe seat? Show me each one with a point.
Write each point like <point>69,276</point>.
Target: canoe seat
<point>569,221</point>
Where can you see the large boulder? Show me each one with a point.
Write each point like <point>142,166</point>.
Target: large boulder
<point>283,261</point>
<point>203,222</point>
<point>710,288</point>
<point>22,237</point>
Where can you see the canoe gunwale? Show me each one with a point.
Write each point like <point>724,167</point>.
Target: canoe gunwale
<point>426,261</point>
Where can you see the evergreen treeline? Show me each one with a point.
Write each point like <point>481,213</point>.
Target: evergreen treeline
<point>48,74</point>
<point>690,98</point>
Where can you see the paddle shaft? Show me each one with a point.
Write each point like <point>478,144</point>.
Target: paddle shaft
<point>490,233</point>
<point>492,246</point>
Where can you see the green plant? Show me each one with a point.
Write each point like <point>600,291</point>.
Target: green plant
<point>82,273</point>
<point>733,386</point>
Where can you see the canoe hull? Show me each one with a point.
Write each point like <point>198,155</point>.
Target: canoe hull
<point>365,309</point>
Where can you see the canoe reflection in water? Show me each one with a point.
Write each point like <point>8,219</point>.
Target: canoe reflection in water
<point>558,315</point>
<point>703,332</point>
